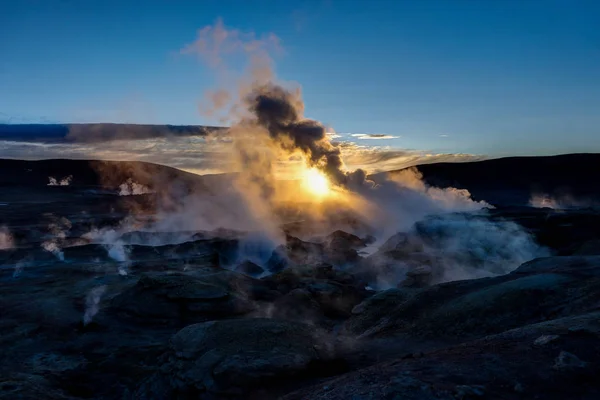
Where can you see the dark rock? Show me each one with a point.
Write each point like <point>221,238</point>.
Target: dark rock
<point>148,238</point>
<point>490,367</point>
<point>589,248</point>
<point>233,357</point>
<point>278,260</point>
<point>341,239</point>
<point>580,265</point>
<point>567,361</point>
<point>545,339</point>
<point>336,292</point>
<point>249,268</point>
<point>297,305</point>
<point>469,392</point>
<point>372,313</point>
<point>301,252</point>
<point>418,276</point>
<point>542,289</point>
<point>341,248</point>
<point>30,387</point>
<point>179,298</point>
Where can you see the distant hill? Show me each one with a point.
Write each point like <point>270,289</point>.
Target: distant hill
<point>108,174</point>
<point>513,180</point>
<point>97,132</point>
<point>503,181</point>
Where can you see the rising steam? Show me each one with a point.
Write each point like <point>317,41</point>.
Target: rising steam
<point>269,128</point>
<point>66,181</point>
<point>131,188</point>
<point>92,303</point>
<point>6,239</point>
<point>269,132</point>
<point>279,111</point>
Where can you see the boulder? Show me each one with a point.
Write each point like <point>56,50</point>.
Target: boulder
<point>341,248</point>
<point>341,239</point>
<point>301,252</point>
<point>176,298</point>
<point>249,268</point>
<point>568,361</point>
<point>372,312</point>
<point>234,357</point>
<point>336,292</point>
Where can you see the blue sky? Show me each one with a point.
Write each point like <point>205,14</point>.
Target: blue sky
<point>494,77</point>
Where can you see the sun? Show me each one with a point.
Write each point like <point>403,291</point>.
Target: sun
<point>315,182</point>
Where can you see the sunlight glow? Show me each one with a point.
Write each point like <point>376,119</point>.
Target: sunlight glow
<point>315,182</point>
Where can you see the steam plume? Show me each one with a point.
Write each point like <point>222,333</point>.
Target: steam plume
<point>6,239</point>
<point>92,303</point>
<point>52,181</point>
<point>280,112</point>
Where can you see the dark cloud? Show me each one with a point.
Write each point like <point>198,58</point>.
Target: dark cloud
<point>279,111</point>
<point>99,133</point>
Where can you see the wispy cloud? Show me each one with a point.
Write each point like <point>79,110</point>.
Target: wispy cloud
<point>207,154</point>
<point>379,159</point>
<point>201,151</point>
<point>373,136</point>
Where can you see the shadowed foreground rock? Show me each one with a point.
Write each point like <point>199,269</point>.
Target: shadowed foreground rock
<point>184,298</point>
<point>335,291</point>
<point>235,357</point>
<point>509,365</point>
<point>539,290</point>
<point>179,324</point>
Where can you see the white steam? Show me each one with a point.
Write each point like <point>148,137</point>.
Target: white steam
<point>7,241</point>
<point>450,247</point>
<point>20,265</point>
<point>92,303</point>
<point>471,247</point>
<point>115,248</point>
<point>564,201</point>
<point>52,181</point>
<point>58,231</point>
<point>131,188</point>
<point>269,130</point>
<point>53,247</point>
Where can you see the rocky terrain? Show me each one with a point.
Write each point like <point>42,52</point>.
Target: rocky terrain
<point>90,310</point>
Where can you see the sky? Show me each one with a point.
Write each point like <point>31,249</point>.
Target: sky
<point>493,77</point>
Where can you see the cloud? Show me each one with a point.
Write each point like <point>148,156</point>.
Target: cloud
<point>99,133</point>
<point>209,154</point>
<point>379,159</point>
<point>373,136</point>
<point>195,153</point>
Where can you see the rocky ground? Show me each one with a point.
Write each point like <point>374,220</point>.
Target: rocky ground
<point>184,315</point>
